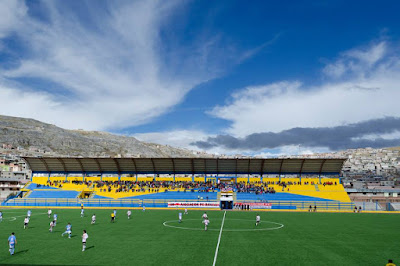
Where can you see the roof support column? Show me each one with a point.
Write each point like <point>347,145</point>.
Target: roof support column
<point>320,170</point>
<point>174,177</point>
<point>119,177</point>
<point>136,176</point>
<point>192,177</point>
<point>48,178</point>
<point>154,169</point>
<point>301,169</point>
<point>101,176</point>
<point>66,176</point>
<point>262,170</point>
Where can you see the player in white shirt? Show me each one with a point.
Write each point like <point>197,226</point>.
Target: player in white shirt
<point>144,208</point>
<point>49,211</point>
<point>85,236</point>
<point>52,224</point>
<point>206,222</point>
<point>26,221</point>
<point>55,219</point>
<point>29,213</point>
<point>180,217</point>
<point>82,212</point>
<point>258,219</point>
<point>186,212</point>
<point>93,219</point>
<point>205,216</point>
<point>129,213</point>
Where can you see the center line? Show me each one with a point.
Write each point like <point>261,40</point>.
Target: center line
<point>219,240</point>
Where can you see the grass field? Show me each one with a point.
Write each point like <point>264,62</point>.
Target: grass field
<point>305,239</point>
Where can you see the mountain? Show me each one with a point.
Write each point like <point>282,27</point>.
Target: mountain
<point>32,137</point>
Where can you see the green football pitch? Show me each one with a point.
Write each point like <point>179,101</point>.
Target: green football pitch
<point>155,237</point>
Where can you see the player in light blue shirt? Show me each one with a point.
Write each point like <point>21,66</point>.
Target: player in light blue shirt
<point>115,213</point>
<point>68,230</point>
<point>82,212</point>
<point>55,219</point>
<point>12,240</point>
<point>1,216</point>
<point>29,213</point>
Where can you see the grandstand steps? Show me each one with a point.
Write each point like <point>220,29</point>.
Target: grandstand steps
<point>316,187</point>
<point>234,196</point>
<point>219,195</point>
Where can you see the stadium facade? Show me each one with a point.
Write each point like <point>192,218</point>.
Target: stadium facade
<point>187,182</point>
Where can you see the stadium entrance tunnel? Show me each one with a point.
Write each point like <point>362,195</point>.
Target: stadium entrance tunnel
<point>86,194</point>
<point>226,205</point>
<point>230,225</point>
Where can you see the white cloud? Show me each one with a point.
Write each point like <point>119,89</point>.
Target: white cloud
<point>369,55</point>
<point>387,136</point>
<point>369,90</point>
<point>11,14</point>
<point>105,72</point>
<point>175,138</point>
<point>358,61</point>
<point>290,151</point>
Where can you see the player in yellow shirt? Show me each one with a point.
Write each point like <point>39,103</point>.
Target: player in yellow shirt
<point>390,263</point>
<point>112,217</point>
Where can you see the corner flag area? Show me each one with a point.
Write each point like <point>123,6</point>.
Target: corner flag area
<point>156,237</point>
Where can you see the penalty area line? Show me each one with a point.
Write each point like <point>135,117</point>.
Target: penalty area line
<point>219,240</point>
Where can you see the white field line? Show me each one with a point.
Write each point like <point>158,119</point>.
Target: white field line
<point>13,218</point>
<point>219,240</point>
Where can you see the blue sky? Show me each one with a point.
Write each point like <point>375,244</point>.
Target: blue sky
<point>219,76</point>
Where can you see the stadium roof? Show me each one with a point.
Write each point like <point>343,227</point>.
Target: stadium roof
<point>183,165</point>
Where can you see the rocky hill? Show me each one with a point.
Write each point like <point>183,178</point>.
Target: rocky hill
<point>31,137</point>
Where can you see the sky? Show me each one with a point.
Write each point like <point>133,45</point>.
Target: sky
<point>263,78</point>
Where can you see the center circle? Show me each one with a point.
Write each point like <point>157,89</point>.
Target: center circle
<point>274,225</point>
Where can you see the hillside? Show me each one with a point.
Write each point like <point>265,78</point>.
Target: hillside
<point>32,137</point>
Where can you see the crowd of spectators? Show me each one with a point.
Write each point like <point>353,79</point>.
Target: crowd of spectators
<point>155,186</point>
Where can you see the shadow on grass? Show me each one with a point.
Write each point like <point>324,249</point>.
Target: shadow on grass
<point>89,247</point>
<point>21,251</point>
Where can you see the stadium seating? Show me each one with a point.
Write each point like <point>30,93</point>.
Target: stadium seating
<point>52,194</point>
<point>286,189</point>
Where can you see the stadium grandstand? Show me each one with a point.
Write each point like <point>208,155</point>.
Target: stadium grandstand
<point>293,184</point>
